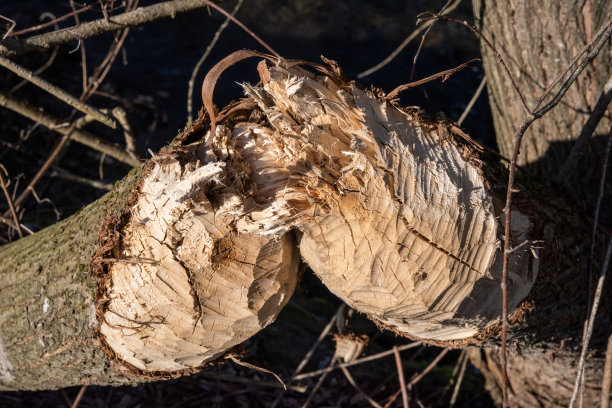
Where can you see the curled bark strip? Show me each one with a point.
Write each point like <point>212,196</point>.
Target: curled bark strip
<point>208,86</point>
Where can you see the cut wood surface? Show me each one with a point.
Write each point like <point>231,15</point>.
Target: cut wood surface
<point>185,288</point>
<point>396,215</point>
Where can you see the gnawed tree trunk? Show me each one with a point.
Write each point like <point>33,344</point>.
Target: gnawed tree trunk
<point>148,282</point>
<point>537,41</point>
<point>398,213</point>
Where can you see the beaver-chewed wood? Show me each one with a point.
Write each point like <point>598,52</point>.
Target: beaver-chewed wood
<point>397,217</point>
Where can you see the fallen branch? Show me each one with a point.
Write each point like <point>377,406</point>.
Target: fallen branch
<point>141,15</point>
<point>57,92</point>
<point>78,135</point>
<point>442,74</point>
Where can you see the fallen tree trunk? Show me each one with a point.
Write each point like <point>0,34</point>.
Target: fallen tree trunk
<point>398,214</point>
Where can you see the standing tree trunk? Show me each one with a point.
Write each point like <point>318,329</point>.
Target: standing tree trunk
<point>537,41</point>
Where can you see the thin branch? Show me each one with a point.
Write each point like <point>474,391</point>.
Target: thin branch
<point>311,351</point>
<point>405,43</point>
<point>332,364</point>
<point>416,56</point>
<point>64,174</point>
<point>256,368</point>
<point>130,141</point>
<point>194,73</point>
<point>352,381</point>
<point>239,24</point>
<point>591,325</point>
<point>50,159</point>
<point>472,101</point>
<point>50,23</point>
<point>10,29</point>
<point>428,368</point>
<point>78,135</point>
<point>459,379</point>
<point>57,92</point>
<point>44,66</point>
<point>133,18</point>
<point>419,377</point>
<point>498,56</point>
<point>77,21</point>
<point>257,383</point>
<point>79,396</point>
<point>592,49</point>
<point>9,200</point>
<point>602,277</point>
<point>356,362</point>
<point>443,74</point>
<point>400,374</point>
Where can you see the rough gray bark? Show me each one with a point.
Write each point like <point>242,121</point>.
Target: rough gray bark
<point>47,315</point>
<point>537,41</point>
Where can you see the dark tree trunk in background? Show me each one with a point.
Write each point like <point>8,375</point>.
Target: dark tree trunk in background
<point>537,40</point>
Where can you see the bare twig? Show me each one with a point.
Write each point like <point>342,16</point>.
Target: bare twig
<point>239,24</point>
<point>45,65</point>
<point>459,379</point>
<point>13,24</point>
<point>498,56</point>
<point>591,324</point>
<point>50,159</point>
<point>586,133</point>
<point>332,364</point>
<point>130,141</point>
<point>416,56</point>
<point>588,53</point>
<point>257,383</point>
<point>400,374</point>
<point>93,28</point>
<point>403,45</point>
<point>78,135</point>
<point>606,381</point>
<point>61,173</point>
<point>443,74</point>
<point>472,101</point>
<point>428,368</point>
<point>102,70</point>
<point>9,200</point>
<point>599,288</point>
<point>57,92</point>
<point>311,351</point>
<point>50,23</point>
<point>11,224</point>
<point>82,48</point>
<point>79,396</point>
<point>356,362</point>
<point>256,368</point>
<point>194,73</point>
<point>352,381</point>
<point>418,377</point>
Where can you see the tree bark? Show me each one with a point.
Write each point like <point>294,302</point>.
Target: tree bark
<point>537,41</point>
<point>48,314</point>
